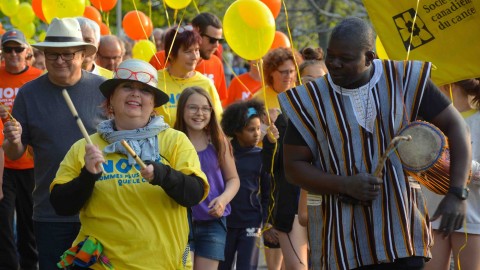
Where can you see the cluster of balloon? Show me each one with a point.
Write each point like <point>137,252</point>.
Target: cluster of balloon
<point>21,15</point>
<point>137,25</point>
<point>249,28</point>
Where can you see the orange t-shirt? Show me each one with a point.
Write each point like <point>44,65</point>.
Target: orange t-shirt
<point>211,68</point>
<point>9,85</point>
<point>242,88</point>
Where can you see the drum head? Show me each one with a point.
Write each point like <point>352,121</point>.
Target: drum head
<point>425,148</point>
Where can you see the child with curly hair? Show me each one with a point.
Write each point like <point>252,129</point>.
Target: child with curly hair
<point>241,121</point>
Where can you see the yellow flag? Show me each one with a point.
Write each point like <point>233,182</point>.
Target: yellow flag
<point>445,32</point>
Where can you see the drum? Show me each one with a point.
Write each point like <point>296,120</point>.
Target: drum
<point>426,157</point>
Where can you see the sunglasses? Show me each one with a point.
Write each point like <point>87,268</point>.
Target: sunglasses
<point>212,40</point>
<point>11,49</point>
<point>182,29</point>
<point>141,76</point>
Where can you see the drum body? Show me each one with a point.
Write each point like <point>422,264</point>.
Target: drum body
<point>426,157</point>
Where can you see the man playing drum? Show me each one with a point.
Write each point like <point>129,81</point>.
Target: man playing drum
<point>339,126</point>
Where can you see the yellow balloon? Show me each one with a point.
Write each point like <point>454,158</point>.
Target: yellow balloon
<point>380,50</point>
<point>9,7</point>
<point>28,29</point>
<point>249,28</point>
<point>62,8</point>
<point>25,10</point>
<point>41,36</point>
<point>177,4</point>
<point>144,50</point>
<point>16,20</point>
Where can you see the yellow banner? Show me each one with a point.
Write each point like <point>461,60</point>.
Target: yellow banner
<point>445,32</point>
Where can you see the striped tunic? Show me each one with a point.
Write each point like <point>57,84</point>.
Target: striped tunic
<point>396,225</point>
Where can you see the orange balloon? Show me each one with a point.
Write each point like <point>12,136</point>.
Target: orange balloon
<point>274,6</point>
<point>280,40</point>
<point>93,14</point>
<point>37,9</point>
<point>134,23</point>
<point>104,30</point>
<point>104,5</point>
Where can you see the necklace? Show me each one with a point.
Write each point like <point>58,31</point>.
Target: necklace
<point>180,81</point>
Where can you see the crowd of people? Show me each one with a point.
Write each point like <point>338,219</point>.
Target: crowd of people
<point>109,162</point>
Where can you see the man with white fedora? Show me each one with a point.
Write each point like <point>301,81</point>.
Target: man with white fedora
<point>45,122</point>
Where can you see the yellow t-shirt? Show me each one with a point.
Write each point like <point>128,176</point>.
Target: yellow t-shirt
<point>138,224</point>
<point>174,87</point>
<point>271,101</point>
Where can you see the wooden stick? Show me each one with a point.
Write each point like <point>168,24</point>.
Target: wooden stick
<point>75,115</point>
<point>134,155</point>
<point>390,147</point>
<point>77,118</point>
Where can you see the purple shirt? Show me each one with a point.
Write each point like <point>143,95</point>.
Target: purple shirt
<point>211,168</point>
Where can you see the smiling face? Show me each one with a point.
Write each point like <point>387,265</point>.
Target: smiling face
<point>348,64</point>
<point>14,61</point>
<point>132,104</point>
<point>64,72</point>
<point>250,134</point>
<point>197,113</point>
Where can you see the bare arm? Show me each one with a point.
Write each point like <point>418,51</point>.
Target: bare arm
<point>454,127</point>
<point>452,209</point>
<point>232,183</point>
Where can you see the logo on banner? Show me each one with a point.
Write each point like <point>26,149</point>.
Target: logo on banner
<point>405,26</point>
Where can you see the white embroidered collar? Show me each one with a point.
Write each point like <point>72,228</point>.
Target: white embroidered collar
<point>361,98</point>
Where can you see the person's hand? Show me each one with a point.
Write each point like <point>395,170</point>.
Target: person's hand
<point>1,192</point>
<point>12,130</point>
<point>93,159</point>
<point>148,172</point>
<point>270,234</point>
<point>452,210</point>
<point>4,111</point>
<point>363,187</point>
<point>272,133</point>
<point>217,207</point>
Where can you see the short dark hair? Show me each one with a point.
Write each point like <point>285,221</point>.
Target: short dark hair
<point>357,29</point>
<point>205,19</point>
<point>186,38</point>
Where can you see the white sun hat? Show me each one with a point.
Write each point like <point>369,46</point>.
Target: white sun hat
<point>63,33</point>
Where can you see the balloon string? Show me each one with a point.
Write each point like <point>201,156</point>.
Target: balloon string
<point>150,16</point>
<point>167,56</point>
<point>141,25</point>
<point>464,244</point>
<point>196,7</point>
<point>291,41</point>
<point>166,13</point>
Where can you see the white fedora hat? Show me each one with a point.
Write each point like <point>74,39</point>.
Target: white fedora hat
<point>63,33</point>
<point>138,71</point>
